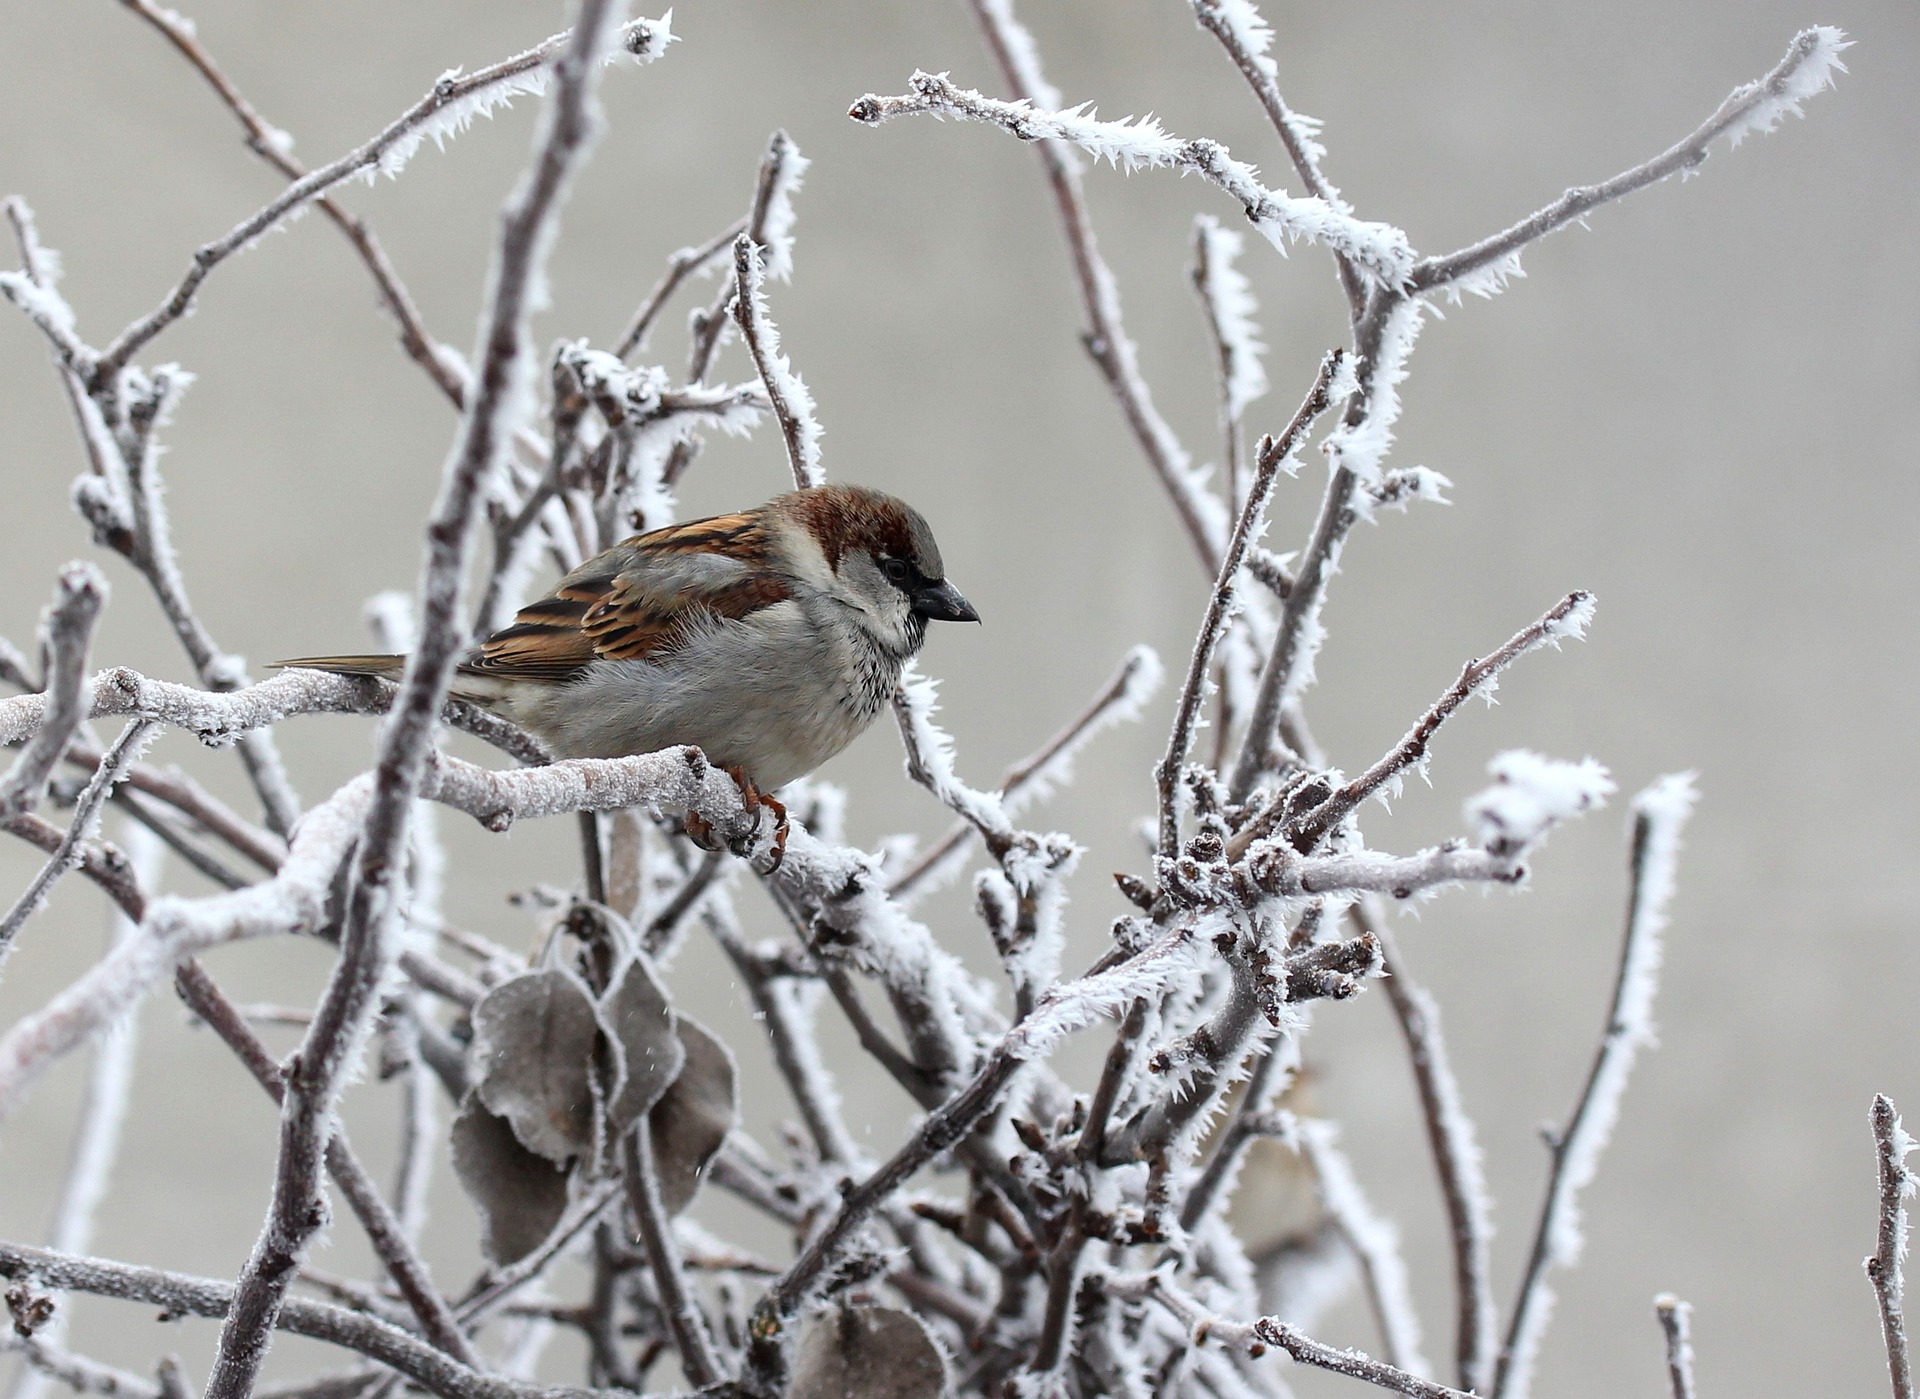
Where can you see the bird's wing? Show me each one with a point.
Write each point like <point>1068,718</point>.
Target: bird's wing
<point>637,600</point>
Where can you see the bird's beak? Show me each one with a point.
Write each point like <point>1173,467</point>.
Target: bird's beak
<point>941,602</point>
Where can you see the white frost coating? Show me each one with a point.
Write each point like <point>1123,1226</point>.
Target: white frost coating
<point>1810,77</point>
<point>1140,143</point>
<point>294,900</point>
<point>1530,796</point>
<point>1363,447</point>
<point>641,41</point>
<point>1401,488</point>
<point>1076,1004</point>
<point>777,226</point>
<point>389,616</point>
<point>1235,312</point>
<point>1373,1239</point>
<point>930,755</point>
<point>801,1002</point>
<point>44,306</point>
<point>792,400</point>
<point>1572,626</point>
<point>1660,812</point>
<point>1486,281</point>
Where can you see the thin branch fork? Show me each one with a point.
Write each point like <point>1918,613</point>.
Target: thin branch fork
<point>1892,1144</point>
<point>1268,460</point>
<point>81,593</point>
<point>1566,619</point>
<point>682,265</point>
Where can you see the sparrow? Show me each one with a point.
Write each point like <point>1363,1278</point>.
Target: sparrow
<point>767,639</point>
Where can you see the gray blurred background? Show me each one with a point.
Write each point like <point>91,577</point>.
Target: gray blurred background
<point>1701,408</point>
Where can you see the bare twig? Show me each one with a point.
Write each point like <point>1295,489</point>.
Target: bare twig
<point>1659,814</point>
<point>1808,67</point>
<point>1674,1316</point>
<point>184,1295</point>
<point>80,830</point>
<point>1892,1144</point>
<point>1201,513</point>
<point>1567,619</point>
<point>445,108</point>
<point>1456,1155</point>
<point>385,1232</point>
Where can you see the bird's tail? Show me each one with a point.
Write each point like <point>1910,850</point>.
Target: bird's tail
<point>388,667</point>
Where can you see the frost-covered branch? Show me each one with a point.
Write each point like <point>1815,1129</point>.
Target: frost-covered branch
<point>1892,1146</point>
<point>275,146</point>
<point>1674,1316</point>
<point>496,408</point>
<point>448,107</point>
<point>1380,249</point>
<point>792,402</point>
<point>184,1295</point>
<point>77,600</point>
<point>1245,35</point>
<point>1808,68</point>
<point>1659,814</point>
<point>685,263</point>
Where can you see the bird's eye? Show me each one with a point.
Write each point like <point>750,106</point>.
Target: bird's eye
<point>897,570</point>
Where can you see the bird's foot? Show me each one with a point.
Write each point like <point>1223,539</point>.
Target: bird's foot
<point>753,799</point>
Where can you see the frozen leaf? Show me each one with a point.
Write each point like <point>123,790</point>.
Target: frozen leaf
<point>867,1353</point>
<point>533,1042</point>
<point>520,1196</point>
<point>646,1053</point>
<point>694,1117</point>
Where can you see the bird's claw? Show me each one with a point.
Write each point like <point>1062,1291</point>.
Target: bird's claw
<point>752,798</point>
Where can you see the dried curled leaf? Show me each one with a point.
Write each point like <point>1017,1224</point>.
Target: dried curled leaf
<point>642,1034</point>
<point>867,1353</point>
<point>533,1042</point>
<point>520,1196</point>
<point>694,1116</point>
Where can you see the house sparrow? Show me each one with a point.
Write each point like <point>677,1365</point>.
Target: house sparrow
<point>768,639</point>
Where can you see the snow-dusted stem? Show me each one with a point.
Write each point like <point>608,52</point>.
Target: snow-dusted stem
<point>77,600</point>
<point>1892,1144</point>
<point>1659,813</point>
<point>332,1043</point>
<point>1456,1155</point>
<point>697,1355</point>
<point>1808,67</point>
<point>273,146</point>
<point>1675,1316</point>
<point>1201,513</point>
<point>682,265</point>
<point>1272,453</point>
<point>792,403</point>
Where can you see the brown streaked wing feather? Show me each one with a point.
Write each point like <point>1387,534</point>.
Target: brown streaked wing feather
<point>637,611</point>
